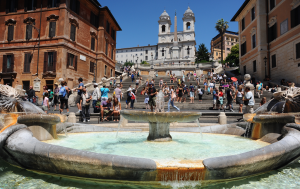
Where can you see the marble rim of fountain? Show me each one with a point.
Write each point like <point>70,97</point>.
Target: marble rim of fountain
<point>267,118</point>
<point>163,117</point>
<point>24,149</point>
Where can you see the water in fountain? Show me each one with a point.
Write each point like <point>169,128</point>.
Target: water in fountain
<point>197,121</point>
<point>121,122</point>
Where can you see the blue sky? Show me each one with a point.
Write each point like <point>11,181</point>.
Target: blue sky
<point>139,18</point>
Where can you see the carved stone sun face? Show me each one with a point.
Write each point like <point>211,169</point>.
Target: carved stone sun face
<point>163,39</point>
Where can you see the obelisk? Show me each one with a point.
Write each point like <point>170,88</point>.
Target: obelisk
<point>175,28</point>
<point>175,48</point>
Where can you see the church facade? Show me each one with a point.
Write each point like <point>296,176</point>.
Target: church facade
<point>171,47</point>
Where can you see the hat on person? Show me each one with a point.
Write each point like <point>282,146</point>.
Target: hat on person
<point>95,84</point>
<point>56,84</point>
<point>49,89</point>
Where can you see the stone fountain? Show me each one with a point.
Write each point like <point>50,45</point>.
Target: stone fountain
<point>279,131</point>
<point>159,122</point>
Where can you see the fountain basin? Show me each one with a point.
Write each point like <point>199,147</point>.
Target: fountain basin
<point>262,124</point>
<point>43,126</point>
<point>159,122</point>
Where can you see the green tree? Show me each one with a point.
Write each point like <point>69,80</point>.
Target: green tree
<point>202,53</point>
<point>233,56</point>
<point>128,64</point>
<point>145,63</point>
<point>221,27</point>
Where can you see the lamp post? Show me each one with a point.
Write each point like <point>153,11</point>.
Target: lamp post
<point>212,61</point>
<point>152,61</point>
<point>265,59</point>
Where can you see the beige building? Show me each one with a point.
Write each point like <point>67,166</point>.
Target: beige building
<point>230,39</point>
<point>269,33</point>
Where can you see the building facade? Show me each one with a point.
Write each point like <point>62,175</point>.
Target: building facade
<point>77,39</point>
<point>229,40</point>
<point>162,52</point>
<point>269,34</point>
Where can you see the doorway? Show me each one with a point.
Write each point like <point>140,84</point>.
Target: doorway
<point>49,84</point>
<point>26,85</point>
<point>7,82</point>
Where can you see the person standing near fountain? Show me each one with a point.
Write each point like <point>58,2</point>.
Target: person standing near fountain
<point>104,93</point>
<point>152,96</point>
<point>56,91</point>
<point>172,97</point>
<point>46,103</point>
<point>192,93</point>
<point>248,101</point>
<point>96,96</point>
<point>31,94</point>
<point>79,90</point>
<point>86,100</point>
<point>63,95</point>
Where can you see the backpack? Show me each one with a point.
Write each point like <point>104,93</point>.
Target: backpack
<point>62,92</point>
<point>133,96</point>
<point>192,89</point>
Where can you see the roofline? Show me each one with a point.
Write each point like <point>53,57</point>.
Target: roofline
<point>230,32</point>
<point>96,3</point>
<point>137,47</point>
<point>240,10</point>
<point>106,8</point>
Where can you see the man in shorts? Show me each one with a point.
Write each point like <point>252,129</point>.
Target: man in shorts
<point>192,92</point>
<point>152,96</point>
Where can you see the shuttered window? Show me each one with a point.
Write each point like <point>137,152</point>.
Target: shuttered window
<point>253,41</point>
<point>53,3</point>
<point>75,6</point>
<point>10,33</point>
<point>112,53</point>
<point>273,32</point>
<point>272,4</point>
<point>73,32</point>
<point>254,66</point>
<point>106,48</point>
<point>29,5</point>
<point>8,63</point>
<point>273,60</point>
<point>72,61</point>
<point>27,62</point>
<point>243,49</point>
<point>297,50</point>
<point>93,44</point>
<point>50,61</point>
<point>243,24</point>
<point>107,26</point>
<point>244,68</point>
<point>253,13</point>
<point>11,6</point>
<point>94,20</point>
<point>113,34</point>
<point>28,32</point>
<point>92,67</point>
<point>52,29</point>
<point>295,17</point>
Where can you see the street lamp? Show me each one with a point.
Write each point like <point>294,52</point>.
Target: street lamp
<point>265,59</point>
<point>152,61</point>
<point>212,61</point>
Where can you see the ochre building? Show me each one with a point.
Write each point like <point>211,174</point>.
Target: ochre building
<point>269,34</point>
<point>77,39</point>
<point>229,40</point>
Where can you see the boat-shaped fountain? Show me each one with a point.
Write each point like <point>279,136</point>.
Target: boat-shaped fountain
<point>270,141</point>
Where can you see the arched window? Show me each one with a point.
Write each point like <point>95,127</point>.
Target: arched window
<point>171,40</point>
<point>163,28</point>
<point>188,26</point>
<point>163,52</point>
